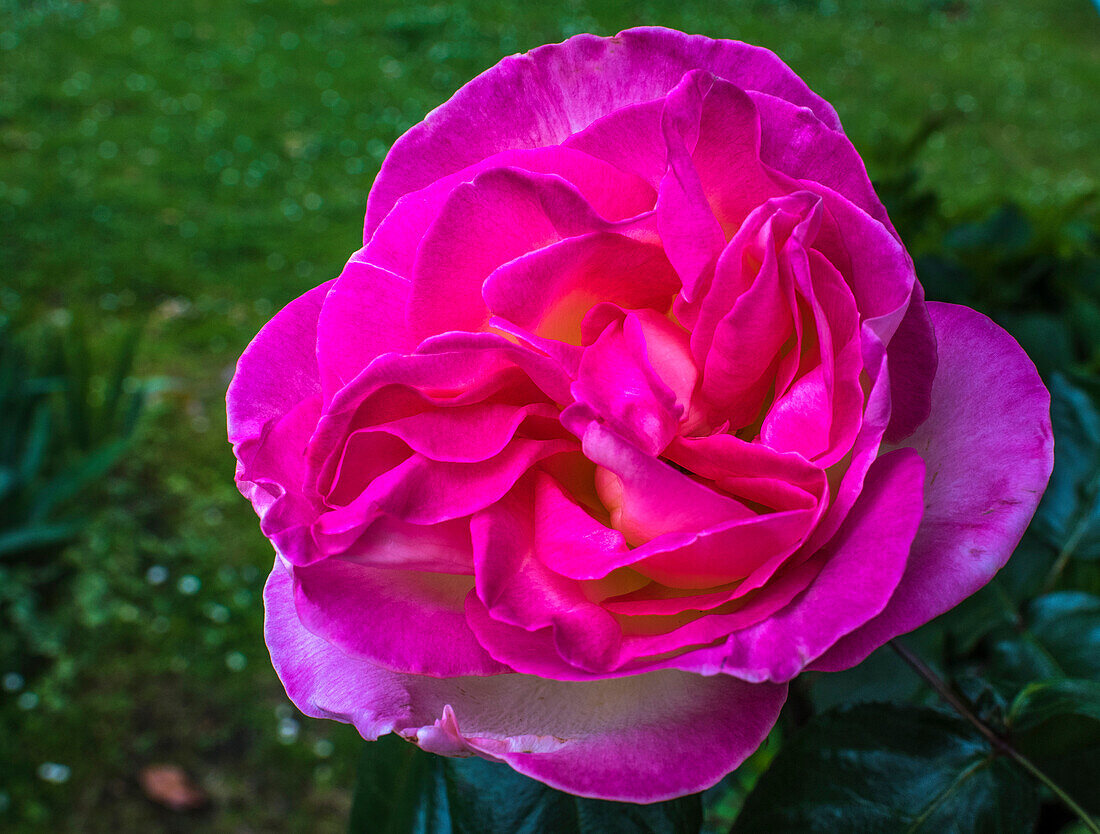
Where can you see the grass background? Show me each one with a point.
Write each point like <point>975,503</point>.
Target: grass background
<point>194,165</point>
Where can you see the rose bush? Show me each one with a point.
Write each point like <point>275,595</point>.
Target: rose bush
<point>629,410</point>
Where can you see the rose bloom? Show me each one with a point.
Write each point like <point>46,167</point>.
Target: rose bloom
<point>629,410</point>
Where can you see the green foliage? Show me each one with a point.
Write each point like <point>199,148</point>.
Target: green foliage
<point>402,790</point>
<point>877,768</point>
<point>1037,274</point>
<point>56,444</point>
<point>1069,515</point>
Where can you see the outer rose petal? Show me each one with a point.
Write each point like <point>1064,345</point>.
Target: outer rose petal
<point>866,562</point>
<point>277,370</point>
<point>989,451</point>
<point>270,410</point>
<point>550,93</point>
<point>417,624</point>
<point>639,739</point>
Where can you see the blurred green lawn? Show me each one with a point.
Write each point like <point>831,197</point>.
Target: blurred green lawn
<point>200,163</point>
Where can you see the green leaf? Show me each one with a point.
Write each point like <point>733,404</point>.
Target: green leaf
<point>885,768</point>
<point>398,790</point>
<point>1045,701</point>
<point>1069,514</point>
<point>38,438</point>
<point>34,536</point>
<point>1060,639</point>
<point>1056,724</point>
<point>491,798</point>
<point>90,468</point>
<point>402,790</point>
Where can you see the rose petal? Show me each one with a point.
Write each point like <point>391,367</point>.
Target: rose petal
<point>912,364</point>
<point>550,93</point>
<point>277,370</point>
<point>549,291</point>
<point>511,212</point>
<point>639,739</point>
<point>648,497</point>
<point>795,141</point>
<point>988,450</point>
<point>863,564</point>
<point>416,619</point>
<point>362,318</point>
<point>518,589</point>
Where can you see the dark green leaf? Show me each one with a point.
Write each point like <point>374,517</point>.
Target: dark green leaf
<point>122,365</point>
<point>1060,639</point>
<point>1057,725</point>
<point>883,676</point>
<point>398,790</point>
<point>68,484</point>
<point>491,798</point>
<point>1007,230</point>
<point>882,768</point>
<point>34,536</point>
<point>1048,700</point>
<point>38,438</point>
<point>1069,514</point>
<point>402,790</point>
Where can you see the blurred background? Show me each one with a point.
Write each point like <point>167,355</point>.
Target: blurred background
<point>172,173</point>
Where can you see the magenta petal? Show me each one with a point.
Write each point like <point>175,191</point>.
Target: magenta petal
<point>277,370</point>
<point>630,138</point>
<point>438,548</point>
<point>323,681</point>
<point>465,434</point>
<point>640,739</point>
<point>425,491</point>
<point>863,564</point>
<point>363,317</point>
<point>691,234</point>
<point>797,143</point>
<point>511,212</point>
<point>570,541</point>
<point>988,449</point>
<point>647,737</point>
<point>727,552</point>
<point>518,589</point>
<point>912,363</point>
<point>617,384</point>
<point>417,623</point>
<point>549,291</point>
<point>545,96</point>
<point>648,497</point>
<point>726,156</point>
<point>272,407</point>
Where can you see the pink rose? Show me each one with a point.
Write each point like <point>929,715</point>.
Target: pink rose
<point>629,410</point>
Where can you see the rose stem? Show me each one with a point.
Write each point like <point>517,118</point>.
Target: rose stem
<point>998,743</point>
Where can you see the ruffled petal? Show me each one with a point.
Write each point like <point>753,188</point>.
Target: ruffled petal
<point>549,291</point>
<point>277,370</point>
<point>862,566</point>
<point>638,739</point>
<point>988,449</point>
<point>545,96</point>
<point>511,212</point>
<point>362,318</point>
<point>403,620</point>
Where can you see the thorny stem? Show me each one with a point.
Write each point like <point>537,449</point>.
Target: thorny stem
<point>999,744</point>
